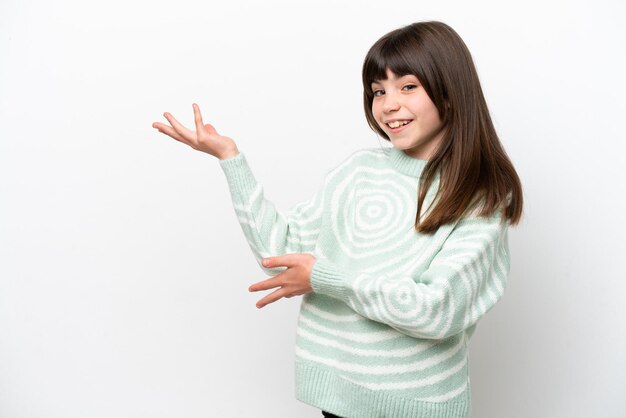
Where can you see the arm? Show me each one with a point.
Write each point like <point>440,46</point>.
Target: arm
<point>270,232</point>
<point>462,283</point>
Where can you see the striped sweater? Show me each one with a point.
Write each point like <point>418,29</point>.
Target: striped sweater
<point>385,331</point>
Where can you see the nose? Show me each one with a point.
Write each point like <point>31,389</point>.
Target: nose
<point>391,103</point>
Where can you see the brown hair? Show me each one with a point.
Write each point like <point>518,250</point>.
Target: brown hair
<point>472,162</point>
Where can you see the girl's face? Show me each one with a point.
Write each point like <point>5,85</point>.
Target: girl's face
<point>403,99</point>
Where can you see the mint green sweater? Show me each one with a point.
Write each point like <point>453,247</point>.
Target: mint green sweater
<point>385,331</point>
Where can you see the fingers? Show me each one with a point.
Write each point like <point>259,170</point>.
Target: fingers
<point>269,284</point>
<point>271,298</point>
<point>187,134</point>
<point>266,284</point>
<point>169,131</point>
<point>288,260</point>
<point>210,129</point>
<point>197,116</point>
<point>182,134</point>
<point>287,284</point>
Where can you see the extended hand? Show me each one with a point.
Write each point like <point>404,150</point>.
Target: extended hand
<point>294,281</point>
<point>205,138</point>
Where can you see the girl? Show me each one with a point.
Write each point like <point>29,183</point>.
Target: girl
<point>404,248</point>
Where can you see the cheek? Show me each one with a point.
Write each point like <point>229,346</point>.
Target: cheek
<point>376,111</point>
<point>375,108</point>
<point>431,117</point>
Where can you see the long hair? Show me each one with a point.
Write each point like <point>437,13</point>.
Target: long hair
<point>475,172</point>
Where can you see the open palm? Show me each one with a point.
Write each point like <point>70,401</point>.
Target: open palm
<point>205,138</point>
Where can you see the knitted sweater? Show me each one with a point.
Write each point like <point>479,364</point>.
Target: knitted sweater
<point>385,331</point>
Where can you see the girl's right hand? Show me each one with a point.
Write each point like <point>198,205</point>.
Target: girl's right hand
<point>205,138</point>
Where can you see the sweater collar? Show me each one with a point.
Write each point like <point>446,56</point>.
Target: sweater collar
<point>406,164</point>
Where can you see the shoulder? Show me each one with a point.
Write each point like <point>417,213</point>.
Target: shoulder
<point>493,225</point>
<point>477,212</point>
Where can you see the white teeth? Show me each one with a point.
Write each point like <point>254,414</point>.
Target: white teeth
<point>397,123</point>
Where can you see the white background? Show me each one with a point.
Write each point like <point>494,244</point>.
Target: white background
<point>124,273</point>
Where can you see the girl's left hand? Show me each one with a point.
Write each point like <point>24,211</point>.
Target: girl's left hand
<point>294,281</point>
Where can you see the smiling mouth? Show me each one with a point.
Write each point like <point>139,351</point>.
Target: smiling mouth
<point>397,125</point>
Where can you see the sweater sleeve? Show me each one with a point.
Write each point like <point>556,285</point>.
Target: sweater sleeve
<point>270,232</point>
<point>463,282</point>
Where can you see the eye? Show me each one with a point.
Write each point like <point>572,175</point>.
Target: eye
<point>413,86</point>
<point>377,91</point>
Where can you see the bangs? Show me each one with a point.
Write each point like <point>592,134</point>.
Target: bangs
<point>389,53</point>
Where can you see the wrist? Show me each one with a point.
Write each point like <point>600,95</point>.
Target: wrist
<point>228,154</point>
